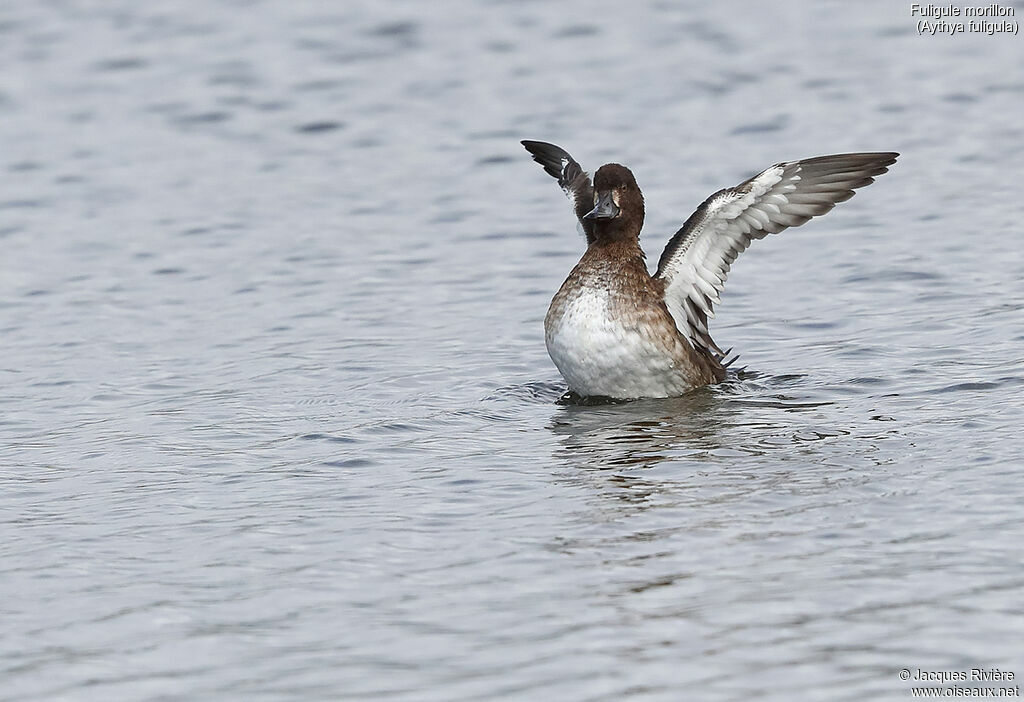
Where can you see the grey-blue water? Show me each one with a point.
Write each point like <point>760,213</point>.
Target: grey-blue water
<point>277,421</point>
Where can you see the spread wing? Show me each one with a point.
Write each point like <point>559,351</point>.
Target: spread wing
<point>696,260</point>
<point>573,179</point>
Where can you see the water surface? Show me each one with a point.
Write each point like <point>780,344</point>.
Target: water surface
<point>277,420</point>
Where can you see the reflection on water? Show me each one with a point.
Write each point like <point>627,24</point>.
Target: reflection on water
<point>708,424</point>
<point>640,434</point>
<point>277,421</point>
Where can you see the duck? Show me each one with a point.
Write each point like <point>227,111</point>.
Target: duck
<point>616,332</point>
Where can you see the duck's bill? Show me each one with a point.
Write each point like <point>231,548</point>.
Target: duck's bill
<point>605,208</point>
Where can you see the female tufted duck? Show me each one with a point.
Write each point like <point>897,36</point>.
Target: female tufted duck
<point>615,331</point>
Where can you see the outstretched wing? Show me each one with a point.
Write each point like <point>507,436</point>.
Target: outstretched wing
<point>696,260</point>
<point>573,179</point>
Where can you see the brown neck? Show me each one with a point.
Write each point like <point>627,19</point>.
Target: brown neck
<point>618,229</point>
<point>617,245</point>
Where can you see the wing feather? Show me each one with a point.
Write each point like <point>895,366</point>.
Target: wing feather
<point>574,180</point>
<point>696,261</point>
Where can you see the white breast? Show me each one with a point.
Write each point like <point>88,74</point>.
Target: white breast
<point>598,354</point>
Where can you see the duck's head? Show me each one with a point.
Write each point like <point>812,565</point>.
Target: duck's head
<point>618,203</point>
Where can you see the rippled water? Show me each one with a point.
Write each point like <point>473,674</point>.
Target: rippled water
<point>277,421</point>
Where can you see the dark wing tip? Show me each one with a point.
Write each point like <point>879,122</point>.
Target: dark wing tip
<point>552,157</point>
<point>841,174</point>
<point>871,160</point>
<point>535,146</point>
<point>884,159</point>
